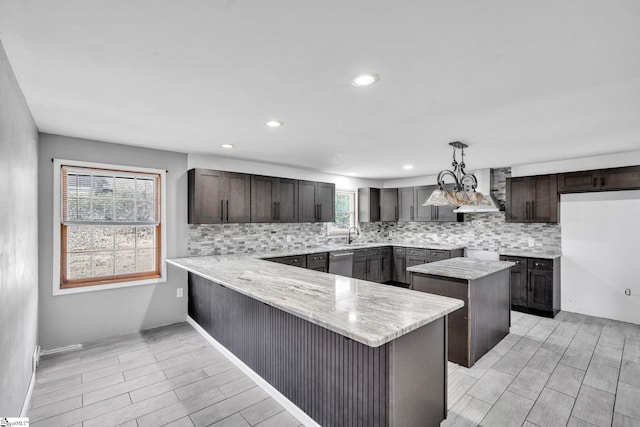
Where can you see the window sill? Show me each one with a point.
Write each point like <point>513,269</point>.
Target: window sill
<point>81,289</point>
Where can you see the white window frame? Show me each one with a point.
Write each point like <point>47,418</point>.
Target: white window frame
<point>57,165</point>
<point>334,231</point>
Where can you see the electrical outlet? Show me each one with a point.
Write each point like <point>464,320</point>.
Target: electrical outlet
<point>179,293</point>
<point>532,242</point>
<point>288,237</point>
<point>627,292</point>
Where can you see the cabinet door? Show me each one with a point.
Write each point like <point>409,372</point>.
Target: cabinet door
<point>540,294</point>
<point>620,178</point>
<point>307,204</point>
<point>287,202</point>
<point>368,204</point>
<point>387,266</point>
<point>444,214</point>
<point>398,273</point>
<point>543,198</point>
<point>238,197</point>
<point>405,204</point>
<point>389,204</point>
<point>575,182</point>
<point>374,268</point>
<point>205,196</point>
<point>263,198</point>
<point>518,282</point>
<point>326,202</point>
<point>421,194</point>
<point>517,204</point>
<point>359,268</point>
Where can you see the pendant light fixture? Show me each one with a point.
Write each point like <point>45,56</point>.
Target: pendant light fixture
<point>464,186</point>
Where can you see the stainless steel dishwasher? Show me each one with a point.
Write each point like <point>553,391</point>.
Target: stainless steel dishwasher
<point>341,263</point>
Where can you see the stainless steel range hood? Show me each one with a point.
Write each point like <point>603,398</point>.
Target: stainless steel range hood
<point>484,186</point>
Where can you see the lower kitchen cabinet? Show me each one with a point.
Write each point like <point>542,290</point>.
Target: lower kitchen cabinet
<point>387,264</point>
<point>409,257</point>
<point>318,262</point>
<point>535,285</point>
<point>367,265</point>
<point>399,271</point>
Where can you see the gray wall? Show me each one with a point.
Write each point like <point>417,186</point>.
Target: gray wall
<point>18,242</point>
<point>77,318</point>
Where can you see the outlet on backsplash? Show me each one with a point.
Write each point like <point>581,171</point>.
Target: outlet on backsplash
<point>532,242</point>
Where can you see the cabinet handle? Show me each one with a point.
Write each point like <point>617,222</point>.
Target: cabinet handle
<point>602,181</point>
<point>411,210</point>
<point>595,182</point>
<point>529,280</point>
<point>278,210</point>
<point>227,210</point>
<point>221,210</point>
<point>533,210</point>
<point>526,210</point>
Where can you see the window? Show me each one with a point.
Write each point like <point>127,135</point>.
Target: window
<point>109,220</point>
<point>345,212</point>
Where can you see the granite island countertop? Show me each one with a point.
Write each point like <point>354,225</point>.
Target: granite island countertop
<point>370,313</point>
<point>461,268</point>
<point>531,253</point>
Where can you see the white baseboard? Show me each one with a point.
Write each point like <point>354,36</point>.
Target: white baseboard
<point>277,396</point>
<point>32,383</point>
<point>73,347</point>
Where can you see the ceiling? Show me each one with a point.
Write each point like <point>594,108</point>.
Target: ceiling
<point>519,81</point>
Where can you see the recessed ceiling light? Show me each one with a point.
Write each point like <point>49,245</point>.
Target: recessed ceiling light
<point>274,123</point>
<point>227,145</point>
<point>407,167</point>
<point>366,79</point>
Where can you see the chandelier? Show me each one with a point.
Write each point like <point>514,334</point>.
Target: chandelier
<point>464,185</point>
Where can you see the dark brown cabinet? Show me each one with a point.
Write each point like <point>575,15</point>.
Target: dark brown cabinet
<point>532,199</point>
<point>318,262</point>
<point>218,197</point>
<point>399,271</point>
<point>535,285</point>
<point>367,265</point>
<point>316,201</point>
<point>387,264</point>
<point>295,260</point>
<point>431,213</point>
<point>274,199</point>
<point>368,204</point>
<point>406,204</point>
<point>389,204</point>
<point>624,178</point>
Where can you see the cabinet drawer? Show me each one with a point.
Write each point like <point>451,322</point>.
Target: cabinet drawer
<point>399,252</point>
<point>360,254</point>
<point>317,260</point>
<point>520,262</point>
<point>437,254</point>
<point>374,251</point>
<point>540,264</point>
<point>416,252</point>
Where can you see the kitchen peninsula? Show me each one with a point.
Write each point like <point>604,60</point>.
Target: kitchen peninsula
<point>344,350</point>
<point>484,288</point>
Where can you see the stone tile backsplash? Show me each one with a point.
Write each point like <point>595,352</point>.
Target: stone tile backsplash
<point>486,231</point>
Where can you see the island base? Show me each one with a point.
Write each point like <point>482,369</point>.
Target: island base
<point>335,380</point>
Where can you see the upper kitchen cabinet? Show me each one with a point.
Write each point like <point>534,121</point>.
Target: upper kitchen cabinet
<point>316,201</point>
<point>625,178</point>
<point>532,199</point>
<point>217,197</point>
<point>431,213</point>
<point>405,204</point>
<point>274,199</point>
<point>368,204</point>
<point>389,204</point>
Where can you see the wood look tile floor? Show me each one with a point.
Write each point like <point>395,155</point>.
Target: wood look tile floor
<point>573,370</point>
<point>165,376</point>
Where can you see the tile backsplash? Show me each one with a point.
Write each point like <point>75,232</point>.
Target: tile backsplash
<point>486,231</point>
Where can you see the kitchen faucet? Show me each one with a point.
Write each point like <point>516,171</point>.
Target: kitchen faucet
<point>349,238</point>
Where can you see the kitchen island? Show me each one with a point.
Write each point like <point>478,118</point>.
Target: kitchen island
<point>484,288</point>
<point>345,351</point>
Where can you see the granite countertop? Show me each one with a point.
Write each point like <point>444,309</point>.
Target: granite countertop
<point>370,313</point>
<point>533,253</point>
<point>461,268</point>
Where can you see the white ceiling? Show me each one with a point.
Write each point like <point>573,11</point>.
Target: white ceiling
<point>519,81</point>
